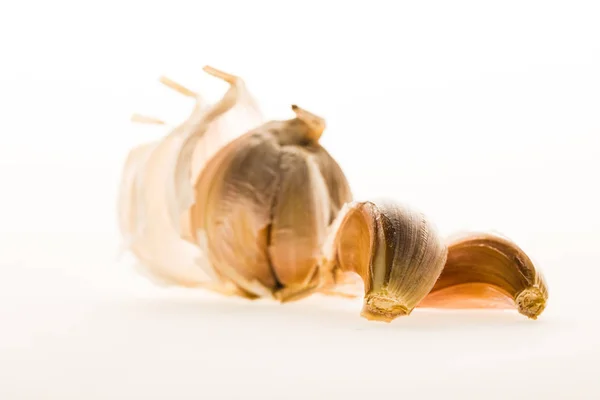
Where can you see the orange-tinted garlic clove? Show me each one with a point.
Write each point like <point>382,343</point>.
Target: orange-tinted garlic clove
<point>485,270</point>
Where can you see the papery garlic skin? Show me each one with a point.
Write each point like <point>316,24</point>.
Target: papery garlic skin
<point>156,187</point>
<point>263,205</point>
<point>130,206</point>
<point>395,250</point>
<point>486,270</point>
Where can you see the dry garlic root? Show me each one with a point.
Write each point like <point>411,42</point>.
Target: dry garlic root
<point>244,207</point>
<point>484,270</point>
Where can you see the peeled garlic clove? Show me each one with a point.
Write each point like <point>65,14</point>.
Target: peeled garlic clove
<point>263,204</point>
<point>485,270</point>
<point>395,250</point>
<point>156,186</point>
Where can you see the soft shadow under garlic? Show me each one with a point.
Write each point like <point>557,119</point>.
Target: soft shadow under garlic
<point>485,270</point>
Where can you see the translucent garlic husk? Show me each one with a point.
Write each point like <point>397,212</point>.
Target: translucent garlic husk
<point>156,185</point>
<point>487,270</point>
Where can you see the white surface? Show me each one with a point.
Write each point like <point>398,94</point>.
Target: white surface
<point>484,116</point>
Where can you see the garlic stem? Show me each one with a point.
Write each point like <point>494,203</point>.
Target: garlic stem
<point>315,123</point>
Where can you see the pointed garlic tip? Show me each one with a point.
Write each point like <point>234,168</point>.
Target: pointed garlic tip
<point>485,270</point>
<point>315,123</point>
<point>395,250</point>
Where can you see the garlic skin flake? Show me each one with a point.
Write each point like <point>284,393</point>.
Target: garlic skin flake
<point>486,270</point>
<point>156,185</point>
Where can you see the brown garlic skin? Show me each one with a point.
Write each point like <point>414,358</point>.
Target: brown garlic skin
<point>485,270</point>
<point>263,205</point>
<point>395,250</point>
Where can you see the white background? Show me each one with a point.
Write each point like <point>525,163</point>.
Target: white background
<point>485,115</point>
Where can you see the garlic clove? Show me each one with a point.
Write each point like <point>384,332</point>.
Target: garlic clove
<point>232,214</point>
<point>395,250</point>
<point>301,214</point>
<point>486,270</point>
<point>339,190</point>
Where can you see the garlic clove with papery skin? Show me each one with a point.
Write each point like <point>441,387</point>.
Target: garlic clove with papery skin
<point>396,251</point>
<point>486,270</point>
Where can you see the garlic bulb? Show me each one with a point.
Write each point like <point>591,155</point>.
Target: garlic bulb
<point>156,185</point>
<point>485,270</point>
<point>395,250</point>
<point>263,205</point>
<point>234,204</point>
